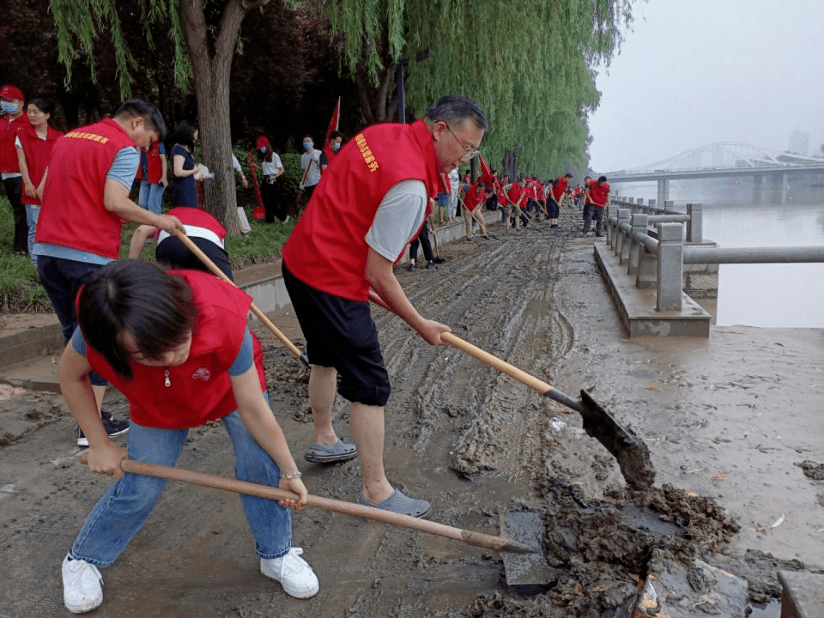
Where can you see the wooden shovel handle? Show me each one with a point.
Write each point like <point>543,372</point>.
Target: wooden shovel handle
<point>481,355</point>
<point>260,315</point>
<point>347,508</point>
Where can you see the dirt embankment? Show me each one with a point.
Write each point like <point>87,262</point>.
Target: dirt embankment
<point>726,421</point>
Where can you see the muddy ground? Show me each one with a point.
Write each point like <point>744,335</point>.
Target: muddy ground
<point>733,424</point>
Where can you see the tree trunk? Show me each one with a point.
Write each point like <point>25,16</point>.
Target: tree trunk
<point>211,76</point>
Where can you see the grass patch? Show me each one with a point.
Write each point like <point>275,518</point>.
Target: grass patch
<point>21,291</point>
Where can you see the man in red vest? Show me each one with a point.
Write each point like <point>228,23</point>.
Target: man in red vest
<point>85,201</point>
<point>366,208</point>
<point>599,198</point>
<point>554,205</point>
<point>13,117</point>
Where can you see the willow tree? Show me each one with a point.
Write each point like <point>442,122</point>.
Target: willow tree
<point>529,63</point>
<point>205,36</point>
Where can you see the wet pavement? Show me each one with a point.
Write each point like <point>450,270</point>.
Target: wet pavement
<point>726,421</point>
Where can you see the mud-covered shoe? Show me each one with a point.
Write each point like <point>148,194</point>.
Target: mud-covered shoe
<point>82,586</point>
<point>293,572</point>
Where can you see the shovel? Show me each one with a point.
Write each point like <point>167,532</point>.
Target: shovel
<point>629,450</point>
<point>478,539</point>
<point>260,315</point>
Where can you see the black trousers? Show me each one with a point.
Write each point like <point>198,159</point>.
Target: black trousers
<point>423,239</point>
<point>13,187</point>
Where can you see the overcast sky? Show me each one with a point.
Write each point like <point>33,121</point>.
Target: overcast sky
<point>694,72</point>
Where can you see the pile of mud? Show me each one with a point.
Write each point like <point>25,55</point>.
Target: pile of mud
<point>605,555</point>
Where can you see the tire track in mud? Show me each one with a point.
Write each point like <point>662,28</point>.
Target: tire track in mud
<point>500,296</point>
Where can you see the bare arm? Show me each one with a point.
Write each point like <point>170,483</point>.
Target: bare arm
<point>139,238</point>
<point>104,455</point>
<point>116,200</point>
<point>29,187</point>
<point>177,164</point>
<point>381,277</point>
<point>261,423</point>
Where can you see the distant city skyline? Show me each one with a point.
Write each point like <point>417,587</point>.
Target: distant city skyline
<point>695,72</point>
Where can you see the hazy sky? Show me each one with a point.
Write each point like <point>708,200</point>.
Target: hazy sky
<point>694,72</point>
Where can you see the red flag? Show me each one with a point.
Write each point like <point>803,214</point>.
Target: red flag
<point>257,213</point>
<point>333,126</point>
<point>486,173</point>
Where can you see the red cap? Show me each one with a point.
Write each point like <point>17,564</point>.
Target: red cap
<point>11,92</point>
<point>261,142</point>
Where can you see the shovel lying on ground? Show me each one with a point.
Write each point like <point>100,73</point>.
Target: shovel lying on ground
<point>630,451</point>
<point>477,539</point>
<point>260,315</point>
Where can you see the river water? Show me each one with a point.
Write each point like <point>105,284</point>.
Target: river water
<point>766,295</point>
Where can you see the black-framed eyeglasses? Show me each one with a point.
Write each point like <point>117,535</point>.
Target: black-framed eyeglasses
<point>469,153</point>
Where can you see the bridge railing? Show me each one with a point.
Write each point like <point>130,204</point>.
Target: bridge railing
<point>656,258</point>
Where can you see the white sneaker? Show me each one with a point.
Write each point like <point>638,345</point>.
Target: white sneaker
<point>82,586</point>
<point>293,572</point>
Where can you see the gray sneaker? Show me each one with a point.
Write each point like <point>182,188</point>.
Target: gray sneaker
<point>82,586</point>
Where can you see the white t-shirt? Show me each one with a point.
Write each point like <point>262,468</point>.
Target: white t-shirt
<point>398,217</point>
<point>270,168</point>
<point>313,177</point>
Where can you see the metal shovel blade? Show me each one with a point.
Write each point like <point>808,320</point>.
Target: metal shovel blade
<point>526,528</point>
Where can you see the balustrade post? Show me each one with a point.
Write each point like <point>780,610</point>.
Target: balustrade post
<point>670,266</point>
<point>623,217</point>
<point>695,227</point>
<point>651,208</point>
<point>668,206</point>
<point>639,226</point>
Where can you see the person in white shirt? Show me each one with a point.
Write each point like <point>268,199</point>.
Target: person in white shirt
<point>310,164</point>
<point>269,189</point>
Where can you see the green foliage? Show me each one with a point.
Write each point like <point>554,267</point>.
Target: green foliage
<point>529,64</point>
<point>78,23</point>
<point>292,175</point>
<point>20,288</point>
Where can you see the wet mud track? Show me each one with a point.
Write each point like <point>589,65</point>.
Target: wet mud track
<point>478,445</point>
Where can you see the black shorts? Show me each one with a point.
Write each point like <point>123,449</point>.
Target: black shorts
<point>172,253</point>
<point>552,208</point>
<point>340,333</point>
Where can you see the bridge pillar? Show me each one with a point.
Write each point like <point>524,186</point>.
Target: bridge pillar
<point>759,188</point>
<point>663,190</point>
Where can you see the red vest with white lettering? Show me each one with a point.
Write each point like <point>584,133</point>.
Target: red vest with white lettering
<point>73,214</point>
<point>327,249</point>
<point>38,154</point>
<point>199,390</point>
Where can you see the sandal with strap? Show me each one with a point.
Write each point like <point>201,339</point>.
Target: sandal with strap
<point>399,502</point>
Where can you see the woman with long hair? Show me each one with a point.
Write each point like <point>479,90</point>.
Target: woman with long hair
<point>34,146</point>
<point>269,189</point>
<point>184,166</point>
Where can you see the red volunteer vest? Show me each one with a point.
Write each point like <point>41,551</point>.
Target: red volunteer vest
<point>599,194</point>
<point>199,390</point>
<point>8,151</point>
<point>38,154</point>
<point>154,167</point>
<point>327,249</point>
<point>559,188</point>
<point>515,193</point>
<point>73,214</point>
<point>473,198</point>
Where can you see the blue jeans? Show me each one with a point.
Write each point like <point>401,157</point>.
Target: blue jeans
<point>123,510</point>
<point>151,196</point>
<point>32,213</point>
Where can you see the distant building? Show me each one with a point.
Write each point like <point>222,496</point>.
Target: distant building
<point>799,143</point>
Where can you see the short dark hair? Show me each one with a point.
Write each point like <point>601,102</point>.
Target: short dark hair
<point>455,108</point>
<point>185,134</point>
<point>567,175</point>
<point>336,135</point>
<point>138,108</point>
<point>602,178</point>
<point>156,309</point>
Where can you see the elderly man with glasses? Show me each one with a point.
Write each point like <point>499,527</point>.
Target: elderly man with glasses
<point>365,210</point>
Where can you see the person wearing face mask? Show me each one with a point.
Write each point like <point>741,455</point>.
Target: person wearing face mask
<point>14,117</point>
<point>84,204</point>
<point>310,164</point>
<point>35,143</point>
<point>329,153</point>
<point>273,169</point>
<point>367,207</point>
